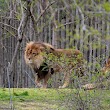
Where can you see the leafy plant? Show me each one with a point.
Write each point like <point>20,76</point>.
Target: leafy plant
<point>106,6</point>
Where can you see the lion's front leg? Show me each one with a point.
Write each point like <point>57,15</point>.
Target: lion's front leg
<point>66,80</point>
<point>37,80</point>
<point>46,80</point>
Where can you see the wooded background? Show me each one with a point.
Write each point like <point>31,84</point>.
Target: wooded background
<point>80,24</point>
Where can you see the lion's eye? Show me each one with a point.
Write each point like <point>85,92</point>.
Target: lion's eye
<point>34,53</point>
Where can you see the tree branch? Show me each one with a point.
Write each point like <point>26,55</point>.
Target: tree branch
<point>36,21</point>
<point>82,15</point>
<point>21,28</point>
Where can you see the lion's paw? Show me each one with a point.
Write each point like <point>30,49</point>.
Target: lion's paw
<point>61,87</point>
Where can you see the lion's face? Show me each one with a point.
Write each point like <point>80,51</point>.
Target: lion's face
<point>33,54</point>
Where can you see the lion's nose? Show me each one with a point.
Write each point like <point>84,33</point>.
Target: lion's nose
<point>28,58</point>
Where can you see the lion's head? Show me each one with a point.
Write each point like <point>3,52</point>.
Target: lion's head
<point>33,53</point>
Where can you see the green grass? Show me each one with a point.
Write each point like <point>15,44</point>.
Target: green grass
<point>34,94</point>
<point>54,99</point>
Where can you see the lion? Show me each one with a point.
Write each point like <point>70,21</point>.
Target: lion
<point>34,57</point>
<point>104,75</point>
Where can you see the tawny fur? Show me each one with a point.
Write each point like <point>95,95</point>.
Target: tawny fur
<point>104,71</point>
<point>35,59</point>
<point>106,68</point>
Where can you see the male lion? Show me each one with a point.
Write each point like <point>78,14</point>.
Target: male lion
<point>36,59</point>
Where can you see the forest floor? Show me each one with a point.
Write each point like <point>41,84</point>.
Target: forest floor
<point>54,99</point>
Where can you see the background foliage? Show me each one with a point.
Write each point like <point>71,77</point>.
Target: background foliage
<point>83,25</point>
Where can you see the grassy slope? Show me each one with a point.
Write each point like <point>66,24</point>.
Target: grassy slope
<point>51,99</point>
